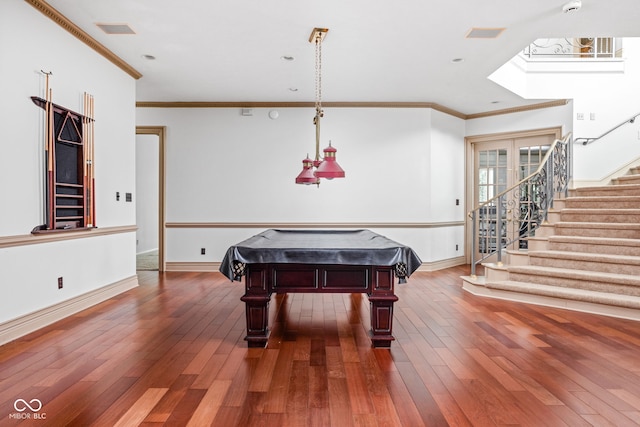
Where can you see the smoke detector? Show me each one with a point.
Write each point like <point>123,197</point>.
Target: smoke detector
<point>572,6</point>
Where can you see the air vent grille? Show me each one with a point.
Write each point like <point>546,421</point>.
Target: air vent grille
<point>116,28</point>
<point>484,33</point>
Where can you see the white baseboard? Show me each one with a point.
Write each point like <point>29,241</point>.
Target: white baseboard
<point>24,325</point>
<point>442,264</point>
<point>192,266</point>
<point>148,251</point>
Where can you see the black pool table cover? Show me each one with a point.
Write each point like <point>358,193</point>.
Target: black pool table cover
<point>346,247</point>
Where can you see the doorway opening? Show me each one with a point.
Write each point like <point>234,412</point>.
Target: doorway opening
<point>150,206</point>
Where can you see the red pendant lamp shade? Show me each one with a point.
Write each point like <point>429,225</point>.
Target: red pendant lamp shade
<point>329,167</point>
<point>307,176</point>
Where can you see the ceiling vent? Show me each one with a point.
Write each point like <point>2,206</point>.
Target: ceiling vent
<point>116,28</point>
<point>484,33</point>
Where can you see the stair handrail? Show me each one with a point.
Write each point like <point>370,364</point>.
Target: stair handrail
<point>547,167</point>
<point>586,141</point>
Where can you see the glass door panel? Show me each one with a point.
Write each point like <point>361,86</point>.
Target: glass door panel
<point>492,178</point>
<point>531,205</point>
<point>499,165</point>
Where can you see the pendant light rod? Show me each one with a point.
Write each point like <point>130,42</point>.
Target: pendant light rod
<point>316,122</point>
<point>317,36</point>
<point>326,167</point>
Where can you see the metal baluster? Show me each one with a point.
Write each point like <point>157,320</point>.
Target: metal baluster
<point>474,239</point>
<point>499,229</point>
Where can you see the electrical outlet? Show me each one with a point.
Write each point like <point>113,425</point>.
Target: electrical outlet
<point>456,247</point>
<point>579,116</point>
<point>117,196</point>
<point>60,283</point>
<point>457,202</point>
<point>202,251</point>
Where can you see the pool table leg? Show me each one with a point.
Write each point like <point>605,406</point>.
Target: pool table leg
<point>382,319</point>
<point>257,310</point>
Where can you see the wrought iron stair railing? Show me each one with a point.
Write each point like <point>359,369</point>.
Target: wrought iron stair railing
<point>506,220</point>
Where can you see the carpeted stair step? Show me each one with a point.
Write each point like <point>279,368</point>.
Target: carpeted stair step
<point>598,229</point>
<point>597,245</point>
<point>626,179</point>
<point>594,297</point>
<point>620,264</point>
<point>601,215</point>
<point>598,202</point>
<point>624,284</point>
<point>586,254</point>
<point>608,190</point>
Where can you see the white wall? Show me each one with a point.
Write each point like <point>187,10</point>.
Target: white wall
<point>610,101</point>
<point>30,42</point>
<point>603,92</point>
<point>147,172</point>
<point>445,185</point>
<point>225,167</point>
<point>446,168</point>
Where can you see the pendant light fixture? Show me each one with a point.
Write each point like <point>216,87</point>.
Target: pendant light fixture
<point>327,167</point>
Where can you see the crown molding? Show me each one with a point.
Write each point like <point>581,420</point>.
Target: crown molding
<point>250,104</point>
<point>47,10</point>
<point>432,105</point>
<point>521,109</point>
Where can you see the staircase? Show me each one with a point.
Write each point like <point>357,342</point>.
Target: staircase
<point>586,258</point>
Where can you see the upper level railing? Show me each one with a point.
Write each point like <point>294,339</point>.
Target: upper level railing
<point>579,48</point>
<point>508,219</point>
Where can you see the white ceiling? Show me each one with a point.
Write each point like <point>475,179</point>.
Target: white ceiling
<point>375,51</point>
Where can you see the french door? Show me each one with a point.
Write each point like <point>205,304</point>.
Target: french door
<point>499,163</point>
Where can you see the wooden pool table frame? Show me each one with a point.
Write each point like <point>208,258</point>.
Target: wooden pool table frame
<point>261,280</point>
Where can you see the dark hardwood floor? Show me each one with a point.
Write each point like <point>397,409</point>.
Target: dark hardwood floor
<point>171,352</point>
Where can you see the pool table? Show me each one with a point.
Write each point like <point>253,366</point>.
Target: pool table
<point>318,261</point>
